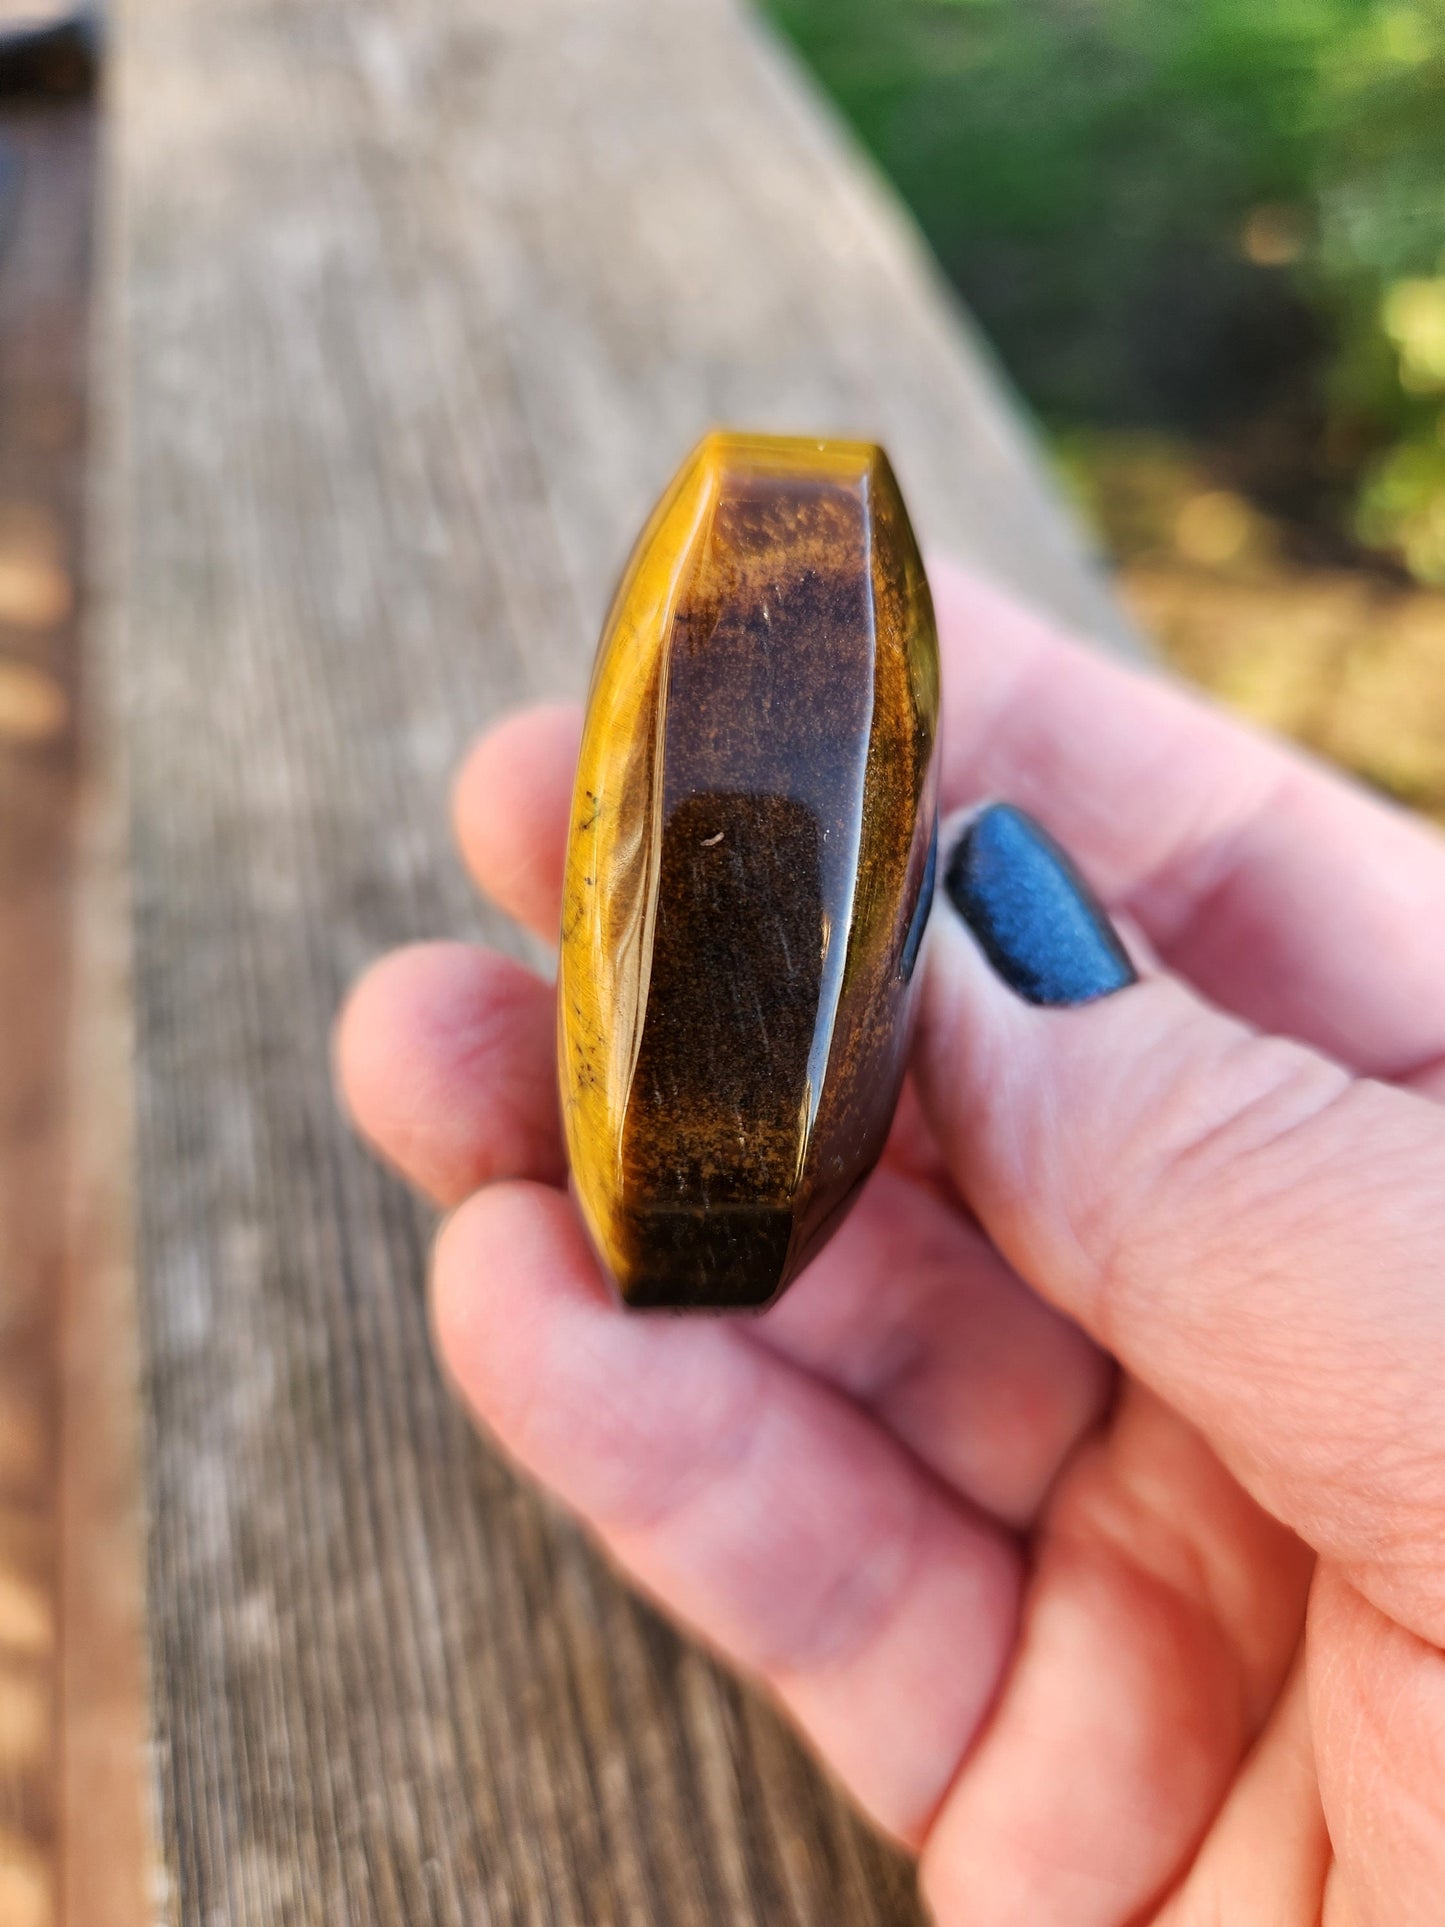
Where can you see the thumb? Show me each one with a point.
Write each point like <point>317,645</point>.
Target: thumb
<point>1254,1233</point>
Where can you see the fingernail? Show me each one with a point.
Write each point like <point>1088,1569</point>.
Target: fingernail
<point>1032,914</point>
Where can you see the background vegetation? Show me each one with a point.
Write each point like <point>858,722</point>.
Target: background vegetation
<point>1219,219</point>
<point>1207,238</point>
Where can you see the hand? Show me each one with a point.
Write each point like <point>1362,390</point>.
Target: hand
<point>1156,1641</point>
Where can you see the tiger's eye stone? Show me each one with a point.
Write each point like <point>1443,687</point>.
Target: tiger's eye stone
<point>749,869</point>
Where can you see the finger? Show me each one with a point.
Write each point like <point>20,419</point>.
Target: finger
<point>1250,1230</point>
<point>445,1055</point>
<point>1280,891</point>
<point>444,1058</point>
<point>510,807</point>
<point>912,1313</point>
<point>1377,1704</point>
<point>1267,1854</point>
<point>756,1504</point>
<point>1161,1619</point>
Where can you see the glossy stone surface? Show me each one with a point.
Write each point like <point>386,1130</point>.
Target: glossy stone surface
<point>749,869</point>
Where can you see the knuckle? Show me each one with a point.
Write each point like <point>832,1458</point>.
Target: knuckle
<point>1222,1153</point>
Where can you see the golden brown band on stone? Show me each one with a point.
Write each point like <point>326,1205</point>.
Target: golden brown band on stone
<point>747,869</point>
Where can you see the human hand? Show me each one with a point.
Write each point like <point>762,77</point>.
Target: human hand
<point>1158,1642</point>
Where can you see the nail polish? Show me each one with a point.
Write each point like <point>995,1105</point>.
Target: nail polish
<point>1032,914</point>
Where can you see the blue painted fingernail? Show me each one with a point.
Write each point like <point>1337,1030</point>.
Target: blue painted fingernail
<point>1032,914</point>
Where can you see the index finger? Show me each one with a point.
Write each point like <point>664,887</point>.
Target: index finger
<point>1282,891</point>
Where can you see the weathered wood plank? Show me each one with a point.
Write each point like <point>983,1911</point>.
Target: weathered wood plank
<point>423,303</point>
<point>106,1853</point>
<point>46,192</point>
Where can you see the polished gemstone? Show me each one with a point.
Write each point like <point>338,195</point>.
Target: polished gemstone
<point>749,869</point>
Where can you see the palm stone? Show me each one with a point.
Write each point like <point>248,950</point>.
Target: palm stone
<point>749,868</point>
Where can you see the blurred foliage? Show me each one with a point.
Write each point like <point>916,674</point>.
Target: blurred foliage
<point>1224,219</point>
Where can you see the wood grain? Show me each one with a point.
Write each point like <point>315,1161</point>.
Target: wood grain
<point>107,1854</point>
<point>422,305</point>
<point>46,186</point>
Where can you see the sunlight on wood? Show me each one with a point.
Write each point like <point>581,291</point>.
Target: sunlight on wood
<point>27,1621</point>
<point>33,706</point>
<point>26,1722</point>
<point>26,1891</point>
<point>24,1448</point>
<point>33,13</point>
<point>34,593</point>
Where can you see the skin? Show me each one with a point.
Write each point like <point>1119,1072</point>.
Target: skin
<point>1092,1529</point>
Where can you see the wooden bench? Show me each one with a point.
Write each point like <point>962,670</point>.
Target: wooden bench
<point>407,313</point>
